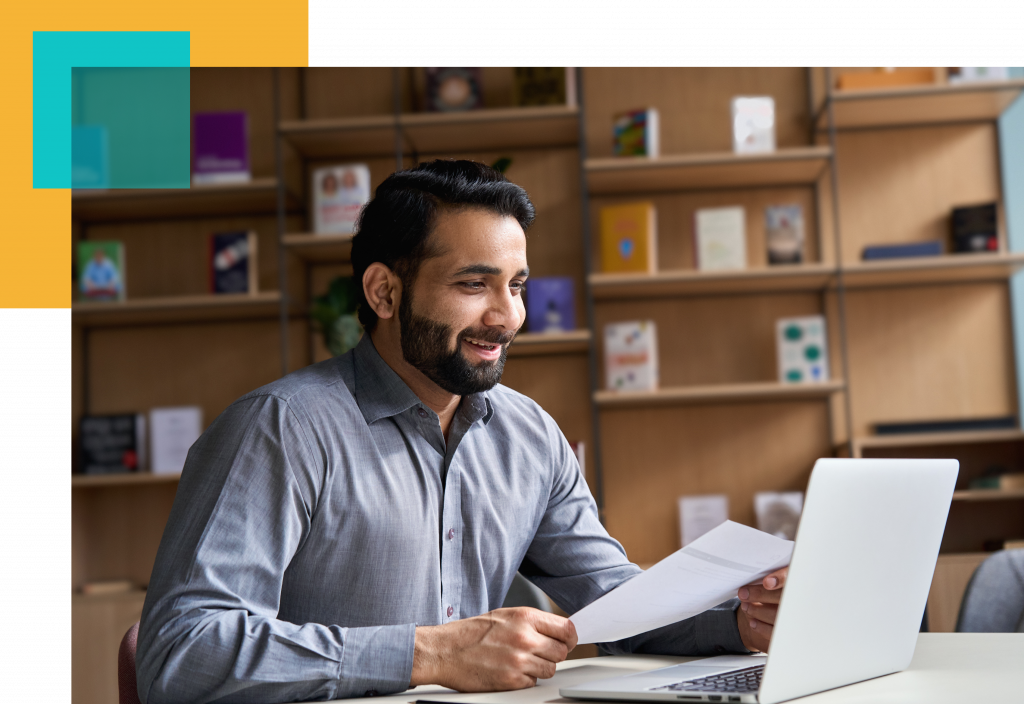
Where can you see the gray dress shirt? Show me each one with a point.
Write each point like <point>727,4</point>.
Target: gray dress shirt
<point>321,518</point>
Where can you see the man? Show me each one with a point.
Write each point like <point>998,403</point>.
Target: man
<point>352,528</point>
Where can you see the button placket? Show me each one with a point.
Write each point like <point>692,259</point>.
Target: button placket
<point>451,549</point>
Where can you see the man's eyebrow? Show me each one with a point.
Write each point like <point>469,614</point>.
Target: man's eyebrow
<point>483,269</point>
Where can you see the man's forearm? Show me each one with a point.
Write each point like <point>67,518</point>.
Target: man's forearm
<point>713,632</point>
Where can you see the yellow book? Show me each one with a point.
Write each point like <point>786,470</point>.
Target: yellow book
<point>629,241</point>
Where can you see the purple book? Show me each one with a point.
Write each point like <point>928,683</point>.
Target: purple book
<point>221,147</point>
<point>549,304</point>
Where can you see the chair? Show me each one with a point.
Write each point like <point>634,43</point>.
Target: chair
<point>127,686</point>
<point>523,592</point>
<point>994,599</point>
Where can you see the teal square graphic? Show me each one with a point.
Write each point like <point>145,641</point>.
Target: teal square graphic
<point>163,161</point>
<point>142,115</point>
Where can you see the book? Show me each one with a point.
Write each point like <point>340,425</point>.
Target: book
<point>579,449</point>
<point>543,86</point>
<point>974,228</point>
<point>778,512</point>
<point>885,78</point>
<point>931,248</point>
<point>454,89</point>
<point>975,74</point>
<point>961,425</point>
<point>784,233</point>
<point>90,156</point>
<point>802,349</point>
<point>701,514</point>
<point>1003,481</point>
<point>339,194</point>
<point>1015,544</point>
<point>550,304</point>
<point>220,147</point>
<point>233,263</point>
<point>720,237</point>
<point>111,444</point>
<point>101,269</point>
<point>753,124</point>
<point>172,432</point>
<point>636,133</point>
<point>631,356</point>
<point>629,238</point>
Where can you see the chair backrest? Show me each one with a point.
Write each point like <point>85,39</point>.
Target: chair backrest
<point>127,685</point>
<point>523,592</point>
<point>994,598</point>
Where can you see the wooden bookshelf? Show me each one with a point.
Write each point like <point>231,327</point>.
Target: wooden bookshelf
<point>948,268</point>
<point>934,439</point>
<point>921,105</point>
<point>90,481</point>
<point>785,167</point>
<point>718,393</point>
<point>176,309</point>
<point>426,133</point>
<point>258,196</point>
<point>538,343</point>
<point>319,248</point>
<point>801,277</point>
<point>989,495</point>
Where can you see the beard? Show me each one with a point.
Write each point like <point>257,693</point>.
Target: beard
<point>425,346</point>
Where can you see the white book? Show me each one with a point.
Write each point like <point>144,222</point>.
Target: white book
<point>631,356</point>
<point>721,235</point>
<point>172,431</point>
<point>753,124</point>
<point>339,194</point>
<point>802,349</point>
<point>701,514</point>
<point>975,74</point>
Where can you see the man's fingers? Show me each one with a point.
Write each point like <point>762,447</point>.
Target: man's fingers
<point>761,612</point>
<point>762,633</point>
<point>759,594</point>
<point>777,579</point>
<point>553,626</point>
<point>537,667</point>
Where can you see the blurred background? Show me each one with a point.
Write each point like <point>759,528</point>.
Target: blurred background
<point>734,272</point>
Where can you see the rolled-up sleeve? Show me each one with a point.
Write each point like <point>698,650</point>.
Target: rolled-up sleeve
<point>209,628</point>
<point>574,560</point>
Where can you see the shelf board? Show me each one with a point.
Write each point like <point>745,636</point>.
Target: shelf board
<point>988,495</point>
<point>921,105</point>
<point>718,393</point>
<point>538,343</point>
<point>931,439</point>
<point>434,132</point>
<point>258,196</point>
<point>801,277</point>
<point>784,167</point>
<point>176,309</point>
<point>947,268</point>
<point>319,248</point>
<point>83,481</point>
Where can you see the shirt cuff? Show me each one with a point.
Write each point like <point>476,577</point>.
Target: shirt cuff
<point>717,631</point>
<point>377,660</point>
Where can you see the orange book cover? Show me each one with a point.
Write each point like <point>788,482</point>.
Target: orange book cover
<point>629,238</point>
<point>881,78</point>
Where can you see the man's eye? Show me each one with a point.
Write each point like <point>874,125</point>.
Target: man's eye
<point>517,286</point>
<point>474,285</point>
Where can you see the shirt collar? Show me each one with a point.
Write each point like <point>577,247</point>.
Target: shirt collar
<point>381,393</point>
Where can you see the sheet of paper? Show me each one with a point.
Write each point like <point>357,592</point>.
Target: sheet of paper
<point>705,573</point>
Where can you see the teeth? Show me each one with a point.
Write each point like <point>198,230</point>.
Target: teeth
<point>481,344</point>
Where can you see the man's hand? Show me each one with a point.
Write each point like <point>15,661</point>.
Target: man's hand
<point>759,604</point>
<point>501,650</point>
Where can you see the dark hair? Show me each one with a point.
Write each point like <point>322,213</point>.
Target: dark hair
<point>394,227</point>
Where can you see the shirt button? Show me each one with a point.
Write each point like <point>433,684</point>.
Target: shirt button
<point>423,414</point>
<point>450,611</point>
<point>451,533</point>
<point>371,693</point>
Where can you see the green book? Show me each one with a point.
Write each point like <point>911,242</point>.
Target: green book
<point>101,271</point>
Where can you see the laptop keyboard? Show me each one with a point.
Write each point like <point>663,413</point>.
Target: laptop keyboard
<point>735,681</point>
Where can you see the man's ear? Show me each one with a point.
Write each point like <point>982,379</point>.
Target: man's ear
<point>383,289</point>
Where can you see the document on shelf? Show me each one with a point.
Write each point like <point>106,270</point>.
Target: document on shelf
<point>703,574</point>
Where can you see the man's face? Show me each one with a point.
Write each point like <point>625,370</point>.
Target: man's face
<point>465,306</point>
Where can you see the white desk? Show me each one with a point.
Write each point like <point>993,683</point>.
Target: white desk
<point>947,667</point>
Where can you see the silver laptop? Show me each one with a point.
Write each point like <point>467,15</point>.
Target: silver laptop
<point>852,607</point>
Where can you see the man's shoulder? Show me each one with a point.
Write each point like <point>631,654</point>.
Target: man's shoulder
<point>511,406</point>
<point>317,381</point>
